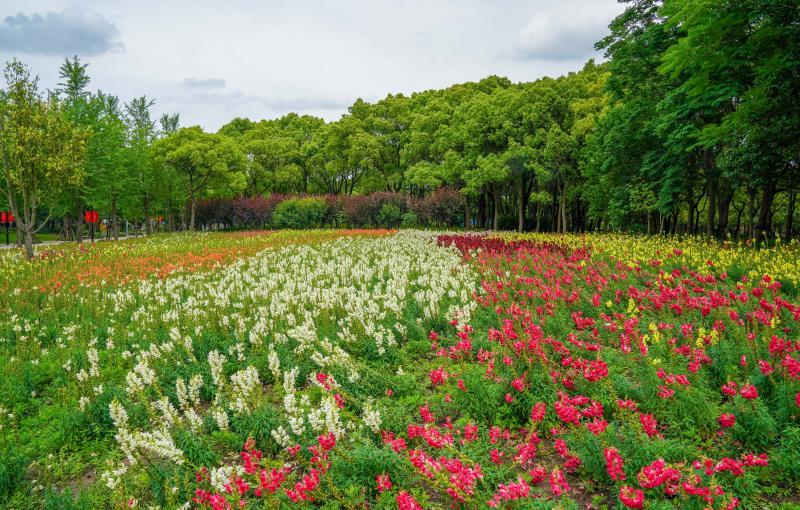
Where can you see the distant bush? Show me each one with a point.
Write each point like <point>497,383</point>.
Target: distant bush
<point>250,212</point>
<point>446,206</point>
<point>357,209</point>
<point>410,220</point>
<point>300,213</point>
<point>443,207</point>
<point>389,216</point>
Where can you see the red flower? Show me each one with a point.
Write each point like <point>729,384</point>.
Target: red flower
<point>406,501</point>
<point>730,388</point>
<point>558,484</point>
<point>726,420</point>
<point>630,497</point>
<point>383,482</point>
<point>649,424</point>
<point>438,376</point>
<point>538,411</point>
<point>749,392</point>
<point>614,464</point>
<point>327,441</point>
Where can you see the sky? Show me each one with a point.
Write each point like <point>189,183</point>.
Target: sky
<point>212,61</point>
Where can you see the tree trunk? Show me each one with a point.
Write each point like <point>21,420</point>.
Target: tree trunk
<point>711,212</point>
<point>114,219</point>
<point>496,200</point>
<point>523,203</point>
<point>487,211</point>
<point>762,227</point>
<point>467,213</point>
<point>79,226</point>
<point>146,207</point>
<point>751,199</point>
<point>787,233</point>
<point>738,221</point>
<point>724,207</point>
<point>28,243</point>
<point>192,206</point>
<point>563,208</point>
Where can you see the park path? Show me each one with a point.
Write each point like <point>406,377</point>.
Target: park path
<point>54,243</point>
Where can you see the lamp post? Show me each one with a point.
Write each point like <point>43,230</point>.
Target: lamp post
<point>7,219</point>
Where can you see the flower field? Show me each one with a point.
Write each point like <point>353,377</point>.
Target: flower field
<point>383,369</point>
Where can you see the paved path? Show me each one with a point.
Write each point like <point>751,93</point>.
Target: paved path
<point>45,244</point>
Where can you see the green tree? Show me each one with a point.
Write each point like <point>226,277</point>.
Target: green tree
<point>206,164</point>
<point>42,152</point>
<point>107,174</point>
<point>141,134</point>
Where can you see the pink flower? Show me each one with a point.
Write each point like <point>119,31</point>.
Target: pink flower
<point>496,456</point>
<point>630,497</point>
<point>383,482</point>
<point>749,392</point>
<point>406,501</point>
<point>649,424</point>
<point>438,376</point>
<point>538,411</point>
<point>726,420</point>
<point>426,414</point>
<point>327,441</point>
<point>558,484</point>
<point>730,388</point>
<point>614,464</point>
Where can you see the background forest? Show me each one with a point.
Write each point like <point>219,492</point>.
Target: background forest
<point>690,125</point>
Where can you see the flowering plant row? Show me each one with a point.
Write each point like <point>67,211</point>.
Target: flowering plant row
<point>416,371</point>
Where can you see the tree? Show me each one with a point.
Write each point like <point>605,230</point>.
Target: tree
<point>169,123</point>
<point>73,92</point>
<point>346,153</point>
<point>107,174</point>
<point>141,133</point>
<point>736,65</point>
<point>42,151</point>
<point>205,163</point>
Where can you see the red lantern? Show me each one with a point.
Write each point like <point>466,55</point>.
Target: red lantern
<point>87,216</point>
<point>3,217</point>
<point>10,218</point>
<point>95,216</point>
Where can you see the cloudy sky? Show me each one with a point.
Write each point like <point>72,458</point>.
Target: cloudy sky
<point>211,61</point>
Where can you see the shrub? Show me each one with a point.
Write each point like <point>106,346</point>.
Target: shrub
<point>300,213</point>
<point>271,202</point>
<point>335,215</point>
<point>389,216</point>
<point>446,206</point>
<point>356,210</point>
<point>249,212</point>
<point>410,220</point>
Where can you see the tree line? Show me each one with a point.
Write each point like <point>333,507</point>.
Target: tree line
<point>691,125</point>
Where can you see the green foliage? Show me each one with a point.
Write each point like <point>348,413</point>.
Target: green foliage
<point>300,213</point>
<point>390,216</point>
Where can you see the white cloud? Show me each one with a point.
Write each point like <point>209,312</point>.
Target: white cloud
<point>568,32</point>
<point>74,30</point>
<point>203,83</point>
<point>212,62</point>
